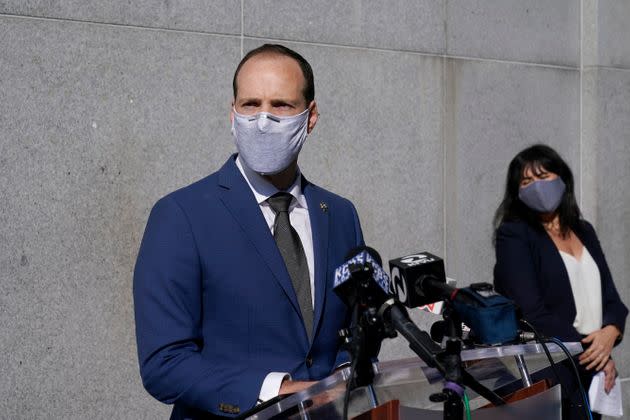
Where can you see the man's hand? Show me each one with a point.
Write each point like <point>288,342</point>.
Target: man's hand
<point>291,387</point>
<point>601,344</point>
<point>610,373</point>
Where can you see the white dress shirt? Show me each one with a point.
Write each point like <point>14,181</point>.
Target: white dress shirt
<point>301,222</point>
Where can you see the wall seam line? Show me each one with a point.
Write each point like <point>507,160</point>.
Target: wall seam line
<point>580,127</point>
<point>121,25</point>
<point>418,53</point>
<point>610,68</point>
<point>242,26</point>
<point>356,47</point>
<point>444,148</point>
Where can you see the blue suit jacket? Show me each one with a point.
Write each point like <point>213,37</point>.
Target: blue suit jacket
<point>530,270</point>
<point>215,308</point>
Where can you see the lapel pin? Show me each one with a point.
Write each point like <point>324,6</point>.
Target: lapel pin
<point>323,206</point>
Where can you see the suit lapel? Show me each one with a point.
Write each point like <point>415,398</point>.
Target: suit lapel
<point>550,252</point>
<point>239,200</point>
<point>318,213</point>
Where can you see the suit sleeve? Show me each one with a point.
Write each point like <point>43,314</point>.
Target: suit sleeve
<point>358,233</point>
<point>614,310</point>
<point>168,313</point>
<point>342,356</point>
<point>515,277</point>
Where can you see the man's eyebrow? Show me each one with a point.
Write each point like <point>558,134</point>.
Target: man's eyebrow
<point>282,102</point>
<point>242,100</point>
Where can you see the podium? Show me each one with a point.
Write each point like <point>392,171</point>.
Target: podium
<point>401,388</point>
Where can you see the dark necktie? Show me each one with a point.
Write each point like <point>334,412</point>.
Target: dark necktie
<point>290,247</point>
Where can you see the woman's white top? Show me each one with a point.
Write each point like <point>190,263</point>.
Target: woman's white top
<point>587,291</point>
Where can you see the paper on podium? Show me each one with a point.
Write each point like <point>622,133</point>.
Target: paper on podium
<point>606,404</point>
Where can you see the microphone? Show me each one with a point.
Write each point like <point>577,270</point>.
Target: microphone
<point>525,336</point>
<point>362,279</point>
<point>363,286</point>
<point>420,342</point>
<point>419,279</point>
<point>440,329</point>
<point>361,283</point>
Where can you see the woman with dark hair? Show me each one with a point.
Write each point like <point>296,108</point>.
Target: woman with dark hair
<point>550,262</point>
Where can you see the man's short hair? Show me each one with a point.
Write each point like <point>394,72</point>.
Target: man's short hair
<point>277,49</point>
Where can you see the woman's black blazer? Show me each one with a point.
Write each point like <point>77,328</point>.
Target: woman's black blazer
<point>530,270</point>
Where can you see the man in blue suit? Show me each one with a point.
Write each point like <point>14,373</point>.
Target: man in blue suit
<point>233,282</point>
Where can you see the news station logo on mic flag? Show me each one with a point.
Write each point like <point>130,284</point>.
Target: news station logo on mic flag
<point>342,273</point>
<point>406,271</point>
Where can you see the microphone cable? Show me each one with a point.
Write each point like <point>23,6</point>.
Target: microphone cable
<point>543,340</point>
<point>467,405</point>
<point>587,407</point>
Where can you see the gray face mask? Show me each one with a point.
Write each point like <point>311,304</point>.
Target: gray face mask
<point>543,196</point>
<point>268,143</point>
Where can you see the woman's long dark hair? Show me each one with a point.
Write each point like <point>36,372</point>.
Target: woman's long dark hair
<point>537,157</point>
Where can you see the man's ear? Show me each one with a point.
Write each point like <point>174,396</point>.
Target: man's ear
<point>232,113</point>
<point>312,116</point>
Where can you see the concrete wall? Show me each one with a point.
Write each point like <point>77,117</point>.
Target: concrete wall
<point>107,106</point>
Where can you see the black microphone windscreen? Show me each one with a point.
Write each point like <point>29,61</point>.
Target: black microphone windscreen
<point>438,330</point>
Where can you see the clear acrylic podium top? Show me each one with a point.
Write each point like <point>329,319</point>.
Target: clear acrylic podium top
<point>411,382</point>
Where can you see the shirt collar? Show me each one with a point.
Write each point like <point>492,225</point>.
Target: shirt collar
<point>264,189</point>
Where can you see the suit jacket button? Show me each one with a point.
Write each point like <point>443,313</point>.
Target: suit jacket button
<point>229,408</point>
<point>309,361</point>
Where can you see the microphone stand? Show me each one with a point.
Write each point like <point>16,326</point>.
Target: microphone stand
<point>363,342</point>
<point>453,391</point>
<point>363,339</point>
<point>447,361</point>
